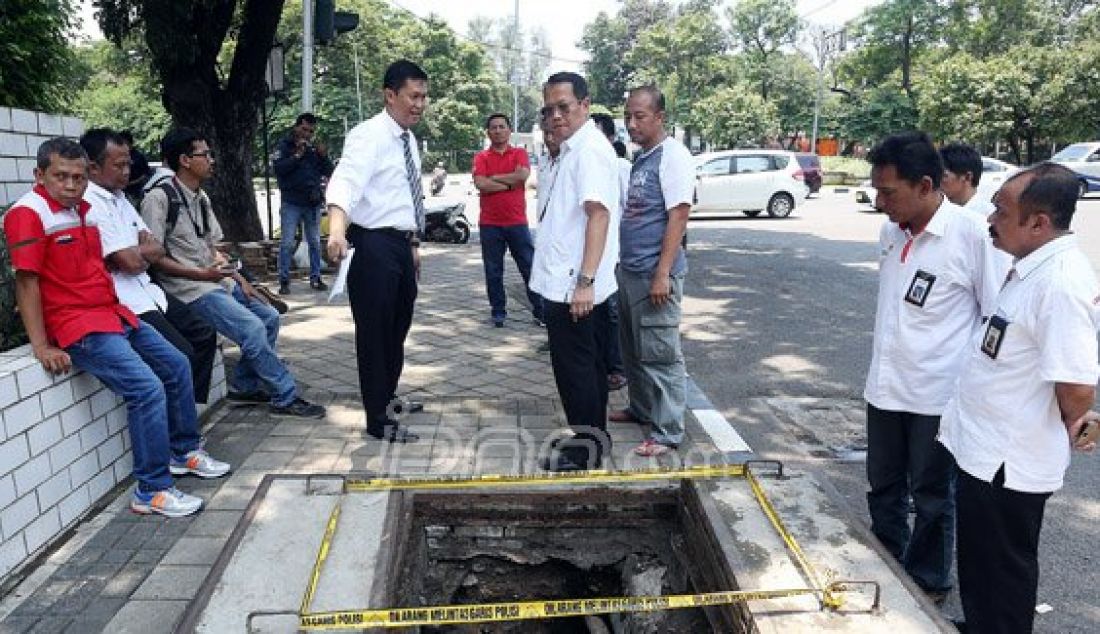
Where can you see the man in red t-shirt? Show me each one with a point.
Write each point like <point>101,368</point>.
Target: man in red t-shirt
<point>73,319</point>
<point>500,174</point>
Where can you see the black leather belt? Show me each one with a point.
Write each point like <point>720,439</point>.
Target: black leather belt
<point>404,234</point>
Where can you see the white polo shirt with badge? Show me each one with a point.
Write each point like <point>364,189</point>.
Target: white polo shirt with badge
<point>1042,331</point>
<point>119,228</point>
<point>587,171</point>
<point>934,289</point>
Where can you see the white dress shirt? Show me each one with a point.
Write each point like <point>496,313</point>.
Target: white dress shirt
<point>922,327</point>
<point>119,226</point>
<point>1004,410</point>
<point>370,182</point>
<point>587,171</point>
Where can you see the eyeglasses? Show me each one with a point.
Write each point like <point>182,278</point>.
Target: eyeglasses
<point>563,108</point>
<point>207,154</point>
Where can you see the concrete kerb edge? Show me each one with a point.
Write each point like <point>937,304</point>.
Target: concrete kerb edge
<point>37,570</point>
<point>856,524</point>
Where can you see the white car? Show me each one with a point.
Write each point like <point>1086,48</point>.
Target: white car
<point>994,173</point>
<point>749,181</point>
<point>1083,158</point>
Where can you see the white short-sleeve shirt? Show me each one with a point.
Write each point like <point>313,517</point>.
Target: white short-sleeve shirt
<point>1042,331</point>
<point>934,289</point>
<point>587,171</point>
<point>119,227</point>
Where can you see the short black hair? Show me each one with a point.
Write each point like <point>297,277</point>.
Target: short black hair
<point>177,142</point>
<point>95,142</point>
<point>62,147</point>
<point>1053,190</point>
<point>912,155</point>
<point>605,123</point>
<point>580,86</point>
<point>129,136</point>
<point>497,115</point>
<point>308,117</point>
<point>401,71</point>
<point>656,96</point>
<point>961,158</point>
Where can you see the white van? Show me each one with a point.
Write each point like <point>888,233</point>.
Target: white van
<point>749,181</point>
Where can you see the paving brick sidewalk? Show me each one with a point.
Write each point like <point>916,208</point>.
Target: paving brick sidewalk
<point>491,407</point>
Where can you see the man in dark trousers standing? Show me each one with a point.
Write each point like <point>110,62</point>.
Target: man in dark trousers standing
<point>574,268</point>
<point>500,175</point>
<point>300,165</point>
<point>376,203</point>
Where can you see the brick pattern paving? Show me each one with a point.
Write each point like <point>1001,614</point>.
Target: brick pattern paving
<point>491,407</point>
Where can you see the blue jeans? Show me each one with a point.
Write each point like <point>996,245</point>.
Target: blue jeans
<point>254,326</point>
<point>494,241</point>
<point>310,217</point>
<point>154,378</point>
<point>904,460</point>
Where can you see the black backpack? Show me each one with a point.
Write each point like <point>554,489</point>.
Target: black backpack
<point>175,202</point>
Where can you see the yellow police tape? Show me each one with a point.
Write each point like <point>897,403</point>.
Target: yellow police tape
<point>522,610</point>
<point>535,479</point>
<point>482,613</point>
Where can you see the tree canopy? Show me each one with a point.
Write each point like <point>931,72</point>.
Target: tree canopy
<point>35,57</point>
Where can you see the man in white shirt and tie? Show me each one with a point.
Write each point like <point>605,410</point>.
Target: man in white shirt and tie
<point>375,203</point>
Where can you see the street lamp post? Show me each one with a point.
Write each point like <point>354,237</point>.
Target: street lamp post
<point>307,56</point>
<point>830,44</point>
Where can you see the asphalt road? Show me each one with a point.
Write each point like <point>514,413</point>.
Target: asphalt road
<point>777,333</point>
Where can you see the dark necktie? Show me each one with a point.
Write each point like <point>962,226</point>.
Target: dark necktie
<point>414,183</point>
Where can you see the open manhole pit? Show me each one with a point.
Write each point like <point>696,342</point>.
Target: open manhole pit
<point>572,544</point>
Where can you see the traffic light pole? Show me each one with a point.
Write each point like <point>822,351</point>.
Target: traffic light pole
<point>307,56</point>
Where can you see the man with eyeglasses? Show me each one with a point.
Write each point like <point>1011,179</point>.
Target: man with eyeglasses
<point>178,214</point>
<point>573,271</point>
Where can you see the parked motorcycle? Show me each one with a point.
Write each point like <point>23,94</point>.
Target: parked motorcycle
<point>446,222</point>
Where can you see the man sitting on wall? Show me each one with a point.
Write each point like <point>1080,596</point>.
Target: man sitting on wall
<point>73,318</point>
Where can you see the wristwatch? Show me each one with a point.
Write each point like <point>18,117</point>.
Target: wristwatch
<point>584,281</point>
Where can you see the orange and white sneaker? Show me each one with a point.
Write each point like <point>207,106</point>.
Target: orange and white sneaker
<point>199,463</point>
<point>169,503</point>
<point>651,449</point>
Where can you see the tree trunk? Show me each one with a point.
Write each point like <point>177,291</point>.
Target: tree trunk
<point>907,59</point>
<point>1014,144</point>
<point>185,39</point>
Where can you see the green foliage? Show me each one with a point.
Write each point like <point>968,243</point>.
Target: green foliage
<point>685,57</point>
<point>876,114</point>
<point>12,333</point>
<point>608,41</point>
<point>35,58</point>
<point>858,169</point>
<point>118,91</point>
<point>761,28</point>
<point>464,85</point>
<point>734,117</point>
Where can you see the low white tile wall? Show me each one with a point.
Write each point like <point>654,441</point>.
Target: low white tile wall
<point>21,132</point>
<point>63,446</point>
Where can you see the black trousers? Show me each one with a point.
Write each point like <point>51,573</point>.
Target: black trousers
<point>190,334</point>
<point>904,460</point>
<point>382,290</point>
<point>998,550</point>
<point>577,352</point>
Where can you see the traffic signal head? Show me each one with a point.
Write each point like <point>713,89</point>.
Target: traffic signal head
<point>328,22</point>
